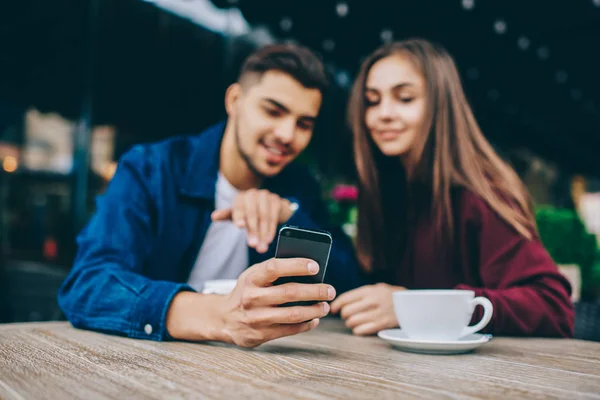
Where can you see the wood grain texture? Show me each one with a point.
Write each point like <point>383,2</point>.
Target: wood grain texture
<point>54,360</point>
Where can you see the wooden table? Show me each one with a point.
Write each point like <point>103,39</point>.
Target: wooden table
<point>56,361</point>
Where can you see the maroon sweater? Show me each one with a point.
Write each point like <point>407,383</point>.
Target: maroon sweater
<point>517,275</point>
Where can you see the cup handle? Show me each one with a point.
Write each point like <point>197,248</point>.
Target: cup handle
<point>488,310</point>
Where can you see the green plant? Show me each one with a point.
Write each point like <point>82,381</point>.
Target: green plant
<point>564,235</point>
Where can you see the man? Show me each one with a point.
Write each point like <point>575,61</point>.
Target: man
<point>191,209</point>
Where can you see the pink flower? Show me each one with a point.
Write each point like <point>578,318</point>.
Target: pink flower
<point>347,193</point>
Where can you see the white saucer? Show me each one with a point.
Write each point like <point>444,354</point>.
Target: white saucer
<point>463,345</point>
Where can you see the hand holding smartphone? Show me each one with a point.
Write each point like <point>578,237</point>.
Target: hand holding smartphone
<point>296,242</point>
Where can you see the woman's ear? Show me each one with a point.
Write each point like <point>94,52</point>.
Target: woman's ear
<point>232,96</point>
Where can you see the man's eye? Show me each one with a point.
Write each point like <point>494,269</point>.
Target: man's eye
<point>305,125</point>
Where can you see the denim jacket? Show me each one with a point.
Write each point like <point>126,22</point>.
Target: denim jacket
<point>137,251</point>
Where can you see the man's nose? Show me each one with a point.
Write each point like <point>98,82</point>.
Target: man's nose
<point>285,130</point>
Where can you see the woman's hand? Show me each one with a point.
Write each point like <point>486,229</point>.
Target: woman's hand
<point>368,309</point>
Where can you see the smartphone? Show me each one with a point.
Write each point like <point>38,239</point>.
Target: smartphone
<point>293,242</point>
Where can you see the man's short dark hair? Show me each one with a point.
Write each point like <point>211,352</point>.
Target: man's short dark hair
<point>297,61</point>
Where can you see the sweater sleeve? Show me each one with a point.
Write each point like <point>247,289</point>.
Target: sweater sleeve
<point>530,296</point>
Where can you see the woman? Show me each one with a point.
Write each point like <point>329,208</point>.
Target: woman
<point>438,208</point>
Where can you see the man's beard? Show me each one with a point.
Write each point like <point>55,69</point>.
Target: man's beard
<point>245,156</point>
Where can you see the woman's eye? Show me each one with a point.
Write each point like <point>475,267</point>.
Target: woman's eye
<point>272,112</point>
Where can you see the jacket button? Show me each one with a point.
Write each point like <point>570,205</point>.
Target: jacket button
<point>148,329</point>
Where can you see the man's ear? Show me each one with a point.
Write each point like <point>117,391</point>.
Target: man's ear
<point>232,96</point>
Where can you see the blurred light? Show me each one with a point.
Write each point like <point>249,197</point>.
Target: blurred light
<point>561,76</point>
<point>596,3</point>
<point>473,73</point>
<point>286,24</point>
<point>343,79</point>
<point>493,94</point>
<point>576,94</point>
<point>229,21</point>
<point>523,43</point>
<point>328,45</point>
<point>261,36</point>
<point>10,164</point>
<point>387,35</point>
<point>468,4</point>
<point>500,27</point>
<point>341,9</point>
<point>109,171</point>
<point>50,249</point>
<point>543,53</point>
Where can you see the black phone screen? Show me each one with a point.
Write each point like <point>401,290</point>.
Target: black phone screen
<point>313,245</point>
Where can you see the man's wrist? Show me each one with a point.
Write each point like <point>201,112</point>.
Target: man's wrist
<point>196,317</point>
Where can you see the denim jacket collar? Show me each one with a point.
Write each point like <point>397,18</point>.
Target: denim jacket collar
<point>199,175</point>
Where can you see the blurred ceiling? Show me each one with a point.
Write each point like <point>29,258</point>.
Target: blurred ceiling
<point>530,69</point>
<point>151,71</point>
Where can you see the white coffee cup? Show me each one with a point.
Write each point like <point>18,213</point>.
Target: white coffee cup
<point>219,286</point>
<point>440,315</point>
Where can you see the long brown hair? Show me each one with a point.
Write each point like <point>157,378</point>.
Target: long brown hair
<point>452,152</point>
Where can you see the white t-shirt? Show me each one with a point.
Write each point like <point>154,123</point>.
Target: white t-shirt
<point>224,252</point>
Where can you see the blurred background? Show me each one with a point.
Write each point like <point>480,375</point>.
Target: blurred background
<point>81,81</point>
